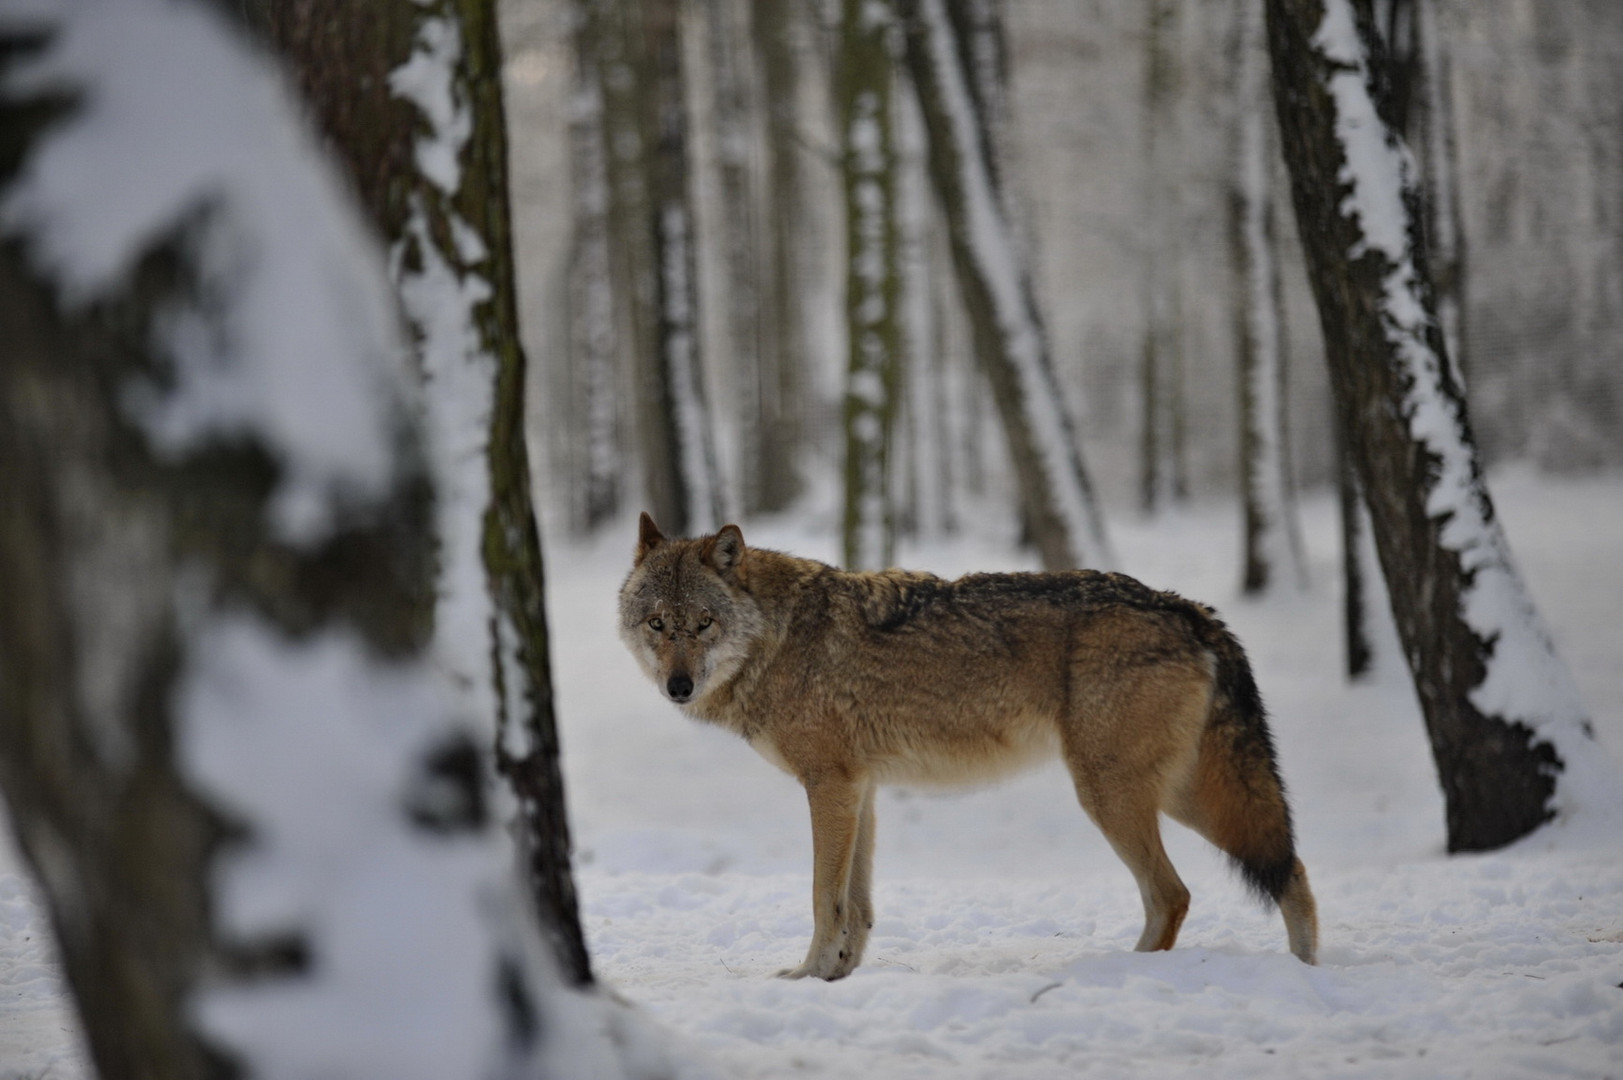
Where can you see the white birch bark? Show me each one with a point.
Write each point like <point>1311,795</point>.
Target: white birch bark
<point>1273,539</point>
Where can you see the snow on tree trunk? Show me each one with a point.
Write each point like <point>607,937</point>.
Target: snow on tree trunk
<point>249,782</point>
<point>998,296</point>
<point>1272,541</point>
<point>872,281</point>
<point>453,267</point>
<point>1511,740</point>
<point>415,87</point>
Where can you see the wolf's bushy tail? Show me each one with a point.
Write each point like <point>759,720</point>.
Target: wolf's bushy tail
<point>1237,789</point>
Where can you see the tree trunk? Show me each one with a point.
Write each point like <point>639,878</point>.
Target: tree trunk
<point>998,296</point>
<point>784,356</point>
<point>645,110</point>
<point>447,219</point>
<point>1162,473</point>
<point>1357,578</point>
<point>1272,542</point>
<point>1511,742</point>
<point>218,563</point>
<point>595,345</point>
<point>872,280</point>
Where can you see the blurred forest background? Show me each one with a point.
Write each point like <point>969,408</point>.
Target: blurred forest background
<point>1120,143</point>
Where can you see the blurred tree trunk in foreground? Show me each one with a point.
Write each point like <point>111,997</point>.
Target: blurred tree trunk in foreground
<point>997,292</point>
<point>225,731</point>
<point>410,98</point>
<point>1508,734</point>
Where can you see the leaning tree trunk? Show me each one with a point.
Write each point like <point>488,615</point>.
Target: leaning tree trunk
<point>1271,541</point>
<point>1511,741</point>
<point>409,96</point>
<point>225,734</point>
<point>645,115</point>
<point>872,280</point>
<point>998,295</point>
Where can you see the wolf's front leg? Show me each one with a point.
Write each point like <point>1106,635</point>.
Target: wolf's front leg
<point>837,813</point>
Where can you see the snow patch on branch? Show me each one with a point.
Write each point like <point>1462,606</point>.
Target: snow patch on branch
<point>994,243</point>
<point>1525,681</point>
<point>212,151</point>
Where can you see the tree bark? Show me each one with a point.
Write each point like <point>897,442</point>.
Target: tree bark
<point>784,357</point>
<point>178,550</point>
<point>1271,538</point>
<point>645,107</point>
<point>1500,710</point>
<point>595,343</point>
<point>454,221</point>
<point>998,296</point>
<point>872,280</point>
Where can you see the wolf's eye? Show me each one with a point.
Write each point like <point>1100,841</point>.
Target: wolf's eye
<point>656,623</point>
<point>705,621</point>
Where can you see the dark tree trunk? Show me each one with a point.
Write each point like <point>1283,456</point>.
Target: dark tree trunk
<point>342,58</point>
<point>1358,650</point>
<point>1402,407</point>
<point>99,536</point>
<point>1001,304</point>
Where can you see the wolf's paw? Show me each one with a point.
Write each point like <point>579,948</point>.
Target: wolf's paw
<point>839,968</point>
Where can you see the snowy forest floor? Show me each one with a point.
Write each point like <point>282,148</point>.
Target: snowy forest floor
<point>1004,922</point>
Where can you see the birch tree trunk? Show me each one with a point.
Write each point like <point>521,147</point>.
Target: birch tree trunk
<point>1512,744</point>
<point>595,342</point>
<point>437,115</point>
<point>1272,539</point>
<point>872,281</point>
<point>645,110</point>
<point>998,296</point>
<point>1162,476</point>
<point>225,731</point>
<point>775,31</point>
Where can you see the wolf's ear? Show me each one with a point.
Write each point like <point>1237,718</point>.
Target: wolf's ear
<point>726,549</point>
<point>648,537</point>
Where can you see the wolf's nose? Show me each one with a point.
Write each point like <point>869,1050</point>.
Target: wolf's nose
<point>680,687</point>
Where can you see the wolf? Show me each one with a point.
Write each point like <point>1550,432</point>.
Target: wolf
<point>850,680</point>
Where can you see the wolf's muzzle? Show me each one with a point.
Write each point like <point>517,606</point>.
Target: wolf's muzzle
<point>679,687</point>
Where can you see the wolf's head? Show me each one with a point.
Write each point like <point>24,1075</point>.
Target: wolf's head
<point>684,612</point>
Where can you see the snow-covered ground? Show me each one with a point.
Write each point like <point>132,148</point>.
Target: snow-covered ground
<point>1004,922</point>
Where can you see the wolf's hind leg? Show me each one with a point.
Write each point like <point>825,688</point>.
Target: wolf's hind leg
<point>836,813</point>
<point>1134,831</point>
